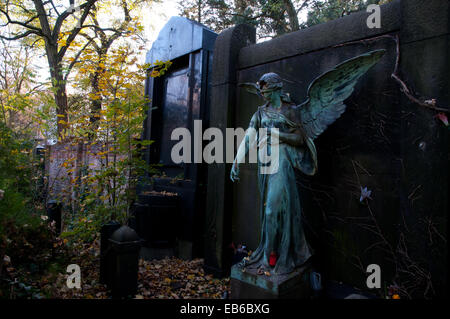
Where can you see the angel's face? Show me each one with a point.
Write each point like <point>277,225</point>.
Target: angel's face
<point>265,91</point>
<point>270,94</point>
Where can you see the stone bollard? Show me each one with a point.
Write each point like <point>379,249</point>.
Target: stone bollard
<point>105,249</point>
<point>124,262</point>
<point>54,214</point>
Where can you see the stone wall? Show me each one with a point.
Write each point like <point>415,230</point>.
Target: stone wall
<point>60,177</point>
<point>383,141</point>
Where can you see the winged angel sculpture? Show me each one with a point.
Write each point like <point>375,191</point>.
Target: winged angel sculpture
<point>283,246</point>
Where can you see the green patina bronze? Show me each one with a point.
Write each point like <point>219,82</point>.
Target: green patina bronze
<point>282,232</point>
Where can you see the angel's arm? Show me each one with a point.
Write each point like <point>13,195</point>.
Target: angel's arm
<point>250,141</point>
<point>294,137</point>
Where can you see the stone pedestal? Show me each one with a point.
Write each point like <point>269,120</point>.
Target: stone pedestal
<point>249,285</point>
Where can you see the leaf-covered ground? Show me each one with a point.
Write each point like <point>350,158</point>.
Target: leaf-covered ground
<point>175,278</point>
<point>171,278</point>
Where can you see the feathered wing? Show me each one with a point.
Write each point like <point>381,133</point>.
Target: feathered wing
<point>327,93</point>
<point>251,87</point>
<point>254,89</point>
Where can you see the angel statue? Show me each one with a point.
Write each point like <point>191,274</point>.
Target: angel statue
<point>283,246</point>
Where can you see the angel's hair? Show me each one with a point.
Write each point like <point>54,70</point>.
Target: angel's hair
<point>272,80</point>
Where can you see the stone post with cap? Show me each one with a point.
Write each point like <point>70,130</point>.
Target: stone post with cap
<point>124,262</point>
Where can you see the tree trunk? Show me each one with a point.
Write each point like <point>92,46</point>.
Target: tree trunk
<point>54,62</point>
<point>292,14</point>
<point>199,14</point>
<point>95,85</point>
<point>61,100</point>
<point>58,85</point>
<point>96,105</point>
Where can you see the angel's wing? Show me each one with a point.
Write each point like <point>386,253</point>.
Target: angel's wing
<point>326,94</point>
<point>251,87</point>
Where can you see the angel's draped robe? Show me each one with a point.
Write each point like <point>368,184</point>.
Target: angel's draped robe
<point>280,208</point>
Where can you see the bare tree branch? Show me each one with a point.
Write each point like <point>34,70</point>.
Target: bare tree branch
<point>66,14</point>
<point>304,4</point>
<point>75,60</point>
<point>25,24</point>
<point>76,30</point>
<point>19,36</point>
<point>54,7</point>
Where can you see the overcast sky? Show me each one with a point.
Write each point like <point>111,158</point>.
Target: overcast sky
<point>157,17</point>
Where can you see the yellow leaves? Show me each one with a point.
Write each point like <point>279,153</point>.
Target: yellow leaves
<point>120,94</point>
<point>175,278</point>
<point>62,42</point>
<point>9,107</point>
<point>159,67</point>
<point>62,135</point>
<point>94,97</point>
<point>155,73</point>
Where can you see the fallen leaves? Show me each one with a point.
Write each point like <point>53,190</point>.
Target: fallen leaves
<point>169,278</point>
<point>183,279</point>
<point>87,257</point>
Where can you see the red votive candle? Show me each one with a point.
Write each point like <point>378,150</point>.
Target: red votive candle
<point>272,259</point>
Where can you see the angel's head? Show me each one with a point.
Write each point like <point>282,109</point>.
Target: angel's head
<point>269,82</point>
<point>270,86</point>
